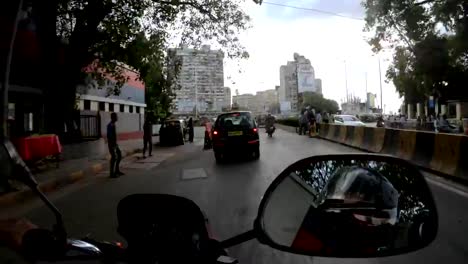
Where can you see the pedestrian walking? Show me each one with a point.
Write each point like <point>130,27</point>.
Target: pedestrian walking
<point>326,118</point>
<point>114,150</point>
<point>303,123</point>
<point>147,136</point>
<point>318,118</point>
<point>208,139</point>
<point>190,129</point>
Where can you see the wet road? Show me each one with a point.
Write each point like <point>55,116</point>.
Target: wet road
<point>230,194</point>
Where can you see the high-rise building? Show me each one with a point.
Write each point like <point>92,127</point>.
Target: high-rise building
<point>296,77</point>
<point>287,91</point>
<point>201,80</point>
<point>227,98</point>
<point>318,85</point>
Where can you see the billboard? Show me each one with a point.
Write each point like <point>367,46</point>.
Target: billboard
<point>305,78</point>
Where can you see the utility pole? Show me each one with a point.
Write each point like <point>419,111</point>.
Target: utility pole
<point>6,77</point>
<point>196,90</point>
<point>367,97</point>
<point>381,95</point>
<point>346,80</point>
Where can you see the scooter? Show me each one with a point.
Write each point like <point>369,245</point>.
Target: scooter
<point>270,130</point>
<point>353,206</point>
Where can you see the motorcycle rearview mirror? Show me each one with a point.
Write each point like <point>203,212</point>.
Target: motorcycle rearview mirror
<point>350,206</point>
<point>14,168</point>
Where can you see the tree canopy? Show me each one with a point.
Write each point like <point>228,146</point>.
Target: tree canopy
<point>429,39</point>
<point>108,33</point>
<point>319,103</point>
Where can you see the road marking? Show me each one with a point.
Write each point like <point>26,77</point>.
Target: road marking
<point>190,174</point>
<point>447,187</point>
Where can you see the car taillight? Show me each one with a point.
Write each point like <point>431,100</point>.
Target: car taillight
<point>255,130</point>
<point>215,132</point>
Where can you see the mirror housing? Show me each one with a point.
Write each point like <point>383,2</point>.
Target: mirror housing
<point>353,206</point>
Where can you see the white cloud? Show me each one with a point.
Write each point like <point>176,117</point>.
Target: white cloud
<point>326,41</point>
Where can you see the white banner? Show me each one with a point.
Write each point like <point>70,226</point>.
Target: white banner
<point>305,78</point>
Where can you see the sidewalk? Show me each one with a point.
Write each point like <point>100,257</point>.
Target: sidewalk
<point>79,161</point>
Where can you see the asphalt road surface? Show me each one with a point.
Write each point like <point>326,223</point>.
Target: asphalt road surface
<point>230,194</point>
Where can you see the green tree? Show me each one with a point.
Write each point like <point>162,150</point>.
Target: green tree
<point>319,103</point>
<point>105,33</point>
<point>429,39</point>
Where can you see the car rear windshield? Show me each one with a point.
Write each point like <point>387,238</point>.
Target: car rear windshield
<point>235,119</point>
<point>350,118</point>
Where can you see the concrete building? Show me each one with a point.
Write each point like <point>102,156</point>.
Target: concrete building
<point>201,81</point>
<point>371,100</point>
<point>259,103</point>
<point>129,105</point>
<point>244,101</point>
<point>264,100</point>
<point>318,85</point>
<point>227,98</point>
<point>287,92</point>
<point>296,77</point>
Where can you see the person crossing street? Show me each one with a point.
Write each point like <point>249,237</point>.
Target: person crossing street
<point>114,150</point>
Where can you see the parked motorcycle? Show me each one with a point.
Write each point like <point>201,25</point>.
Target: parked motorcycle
<point>353,206</point>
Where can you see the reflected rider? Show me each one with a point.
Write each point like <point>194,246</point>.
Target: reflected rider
<point>356,215</point>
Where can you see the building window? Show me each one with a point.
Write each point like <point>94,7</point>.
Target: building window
<point>111,107</point>
<point>102,106</point>
<point>137,109</point>
<point>86,104</point>
<point>130,108</point>
<point>122,108</point>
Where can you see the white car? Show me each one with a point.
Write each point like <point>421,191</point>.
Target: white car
<point>348,120</point>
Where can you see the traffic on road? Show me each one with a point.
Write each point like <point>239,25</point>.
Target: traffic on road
<point>191,172</point>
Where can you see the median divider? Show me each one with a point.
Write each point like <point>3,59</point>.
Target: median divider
<point>446,156</point>
<point>342,134</point>
<point>437,152</point>
<point>406,143</point>
<point>349,134</point>
<point>357,138</point>
<point>424,149</point>
<point>373,139</point>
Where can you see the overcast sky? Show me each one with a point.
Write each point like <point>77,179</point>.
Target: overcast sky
<point>327,41</point>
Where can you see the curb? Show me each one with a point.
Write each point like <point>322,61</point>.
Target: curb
<point>10,199</point>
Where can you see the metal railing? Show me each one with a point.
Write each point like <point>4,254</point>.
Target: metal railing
<point>90,126</point>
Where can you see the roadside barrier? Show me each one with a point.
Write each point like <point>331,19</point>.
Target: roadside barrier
<point>358,137</point>
<point>446,156</point>
<point>435,151</point>
<point>373,139</point>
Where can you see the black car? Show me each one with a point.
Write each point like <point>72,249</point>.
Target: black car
<point>171,133</point>
<point>235,133</point>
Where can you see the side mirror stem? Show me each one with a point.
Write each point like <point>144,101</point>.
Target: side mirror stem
<point>59,227</point>
<point>26,177</point>
<point>246,236</point>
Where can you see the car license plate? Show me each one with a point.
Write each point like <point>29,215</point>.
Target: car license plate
<point>235,133</point>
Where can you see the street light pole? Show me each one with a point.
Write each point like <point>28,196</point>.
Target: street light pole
<point>381,95</point>
<point>367,97</point>
<point>346,80</point>
<point>6,77</point>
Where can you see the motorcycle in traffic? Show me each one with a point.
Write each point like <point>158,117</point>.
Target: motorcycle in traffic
<point>270,130</point>
<point>353,206</point>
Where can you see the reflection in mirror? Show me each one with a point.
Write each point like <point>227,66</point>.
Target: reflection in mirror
<point>350,207</point>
